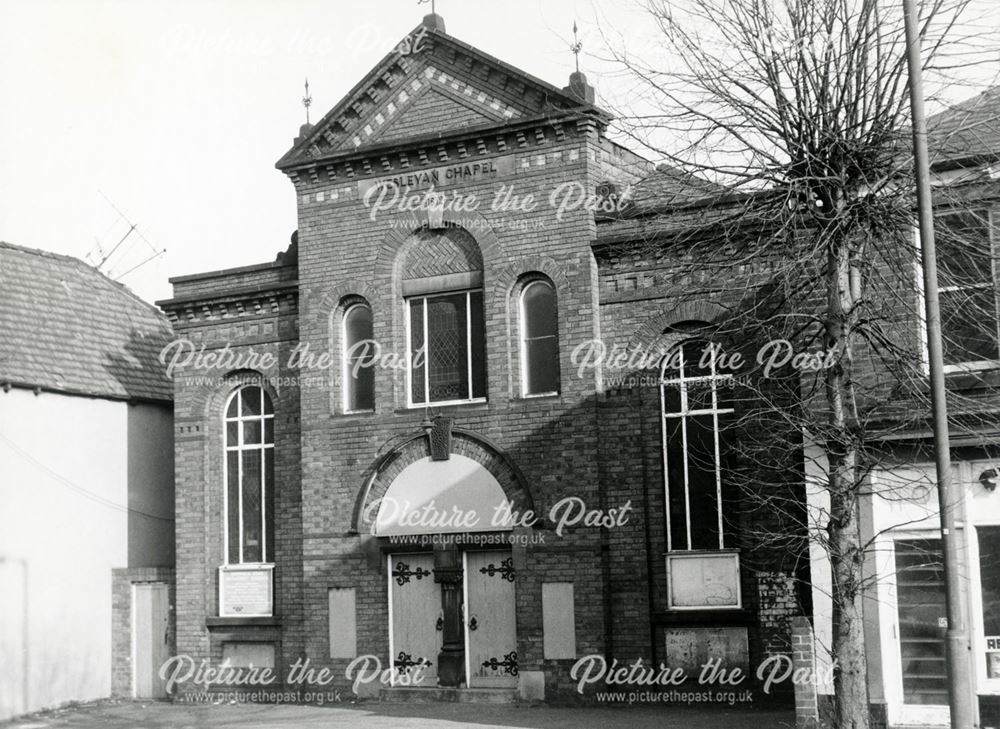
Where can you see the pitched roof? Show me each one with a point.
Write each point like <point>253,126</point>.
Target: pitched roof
<point>66,327</point>
<point>966,130</point>
<point>454,80</point>
<point>668,187</point>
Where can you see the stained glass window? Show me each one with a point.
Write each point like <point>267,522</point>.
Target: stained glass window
<point>249,464</point>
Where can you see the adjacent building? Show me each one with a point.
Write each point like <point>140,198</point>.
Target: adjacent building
<point>86,480</point>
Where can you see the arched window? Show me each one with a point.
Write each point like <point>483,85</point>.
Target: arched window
<point>695,410</point>
<point>249,469</point>
<point>359,355</point>
<point>441,277</point>
<point>539,340</point>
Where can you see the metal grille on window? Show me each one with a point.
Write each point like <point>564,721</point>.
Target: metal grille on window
<point>249,466</point>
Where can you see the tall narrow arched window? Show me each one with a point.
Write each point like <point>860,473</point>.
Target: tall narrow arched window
<point>359,355</point>
<point>249,467</point>
<point>703,568</point>
<point>539,340</point>
<point>695,413</point>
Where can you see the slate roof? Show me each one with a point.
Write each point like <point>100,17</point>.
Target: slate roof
<point>66,327</point>
<point>966,130</point>
<point>669,187</point>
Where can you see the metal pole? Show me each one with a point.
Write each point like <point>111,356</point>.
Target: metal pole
<point>949,499</point>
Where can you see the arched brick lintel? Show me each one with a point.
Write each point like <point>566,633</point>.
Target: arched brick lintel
<point>507,280</point>
<point>380,475</point>
<point>323,309</point>
<point>474,223</point>
<point>700,310</point>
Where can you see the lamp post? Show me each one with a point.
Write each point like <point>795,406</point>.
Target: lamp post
<point>949,500</point>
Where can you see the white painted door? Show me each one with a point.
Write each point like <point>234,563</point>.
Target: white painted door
<point>150,647</point>
<point>414,608</point>
<point>490,626</point>
<point>916,681</point>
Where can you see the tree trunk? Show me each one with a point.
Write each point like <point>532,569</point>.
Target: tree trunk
<point>846,554</point>
<point>850,676</point>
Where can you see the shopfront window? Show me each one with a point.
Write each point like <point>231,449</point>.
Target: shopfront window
<point>989,577</point>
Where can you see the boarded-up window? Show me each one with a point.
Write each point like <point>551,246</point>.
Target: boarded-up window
<point>248,655</point>
<point>558,620</point>
<point>343,623</point>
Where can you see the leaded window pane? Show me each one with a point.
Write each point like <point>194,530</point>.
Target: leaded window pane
<point>478,337</point>
<point>447,334</point>
<point>252,501</point>
<point>233,503</point>
<point>418,355</point>
<point>250,398</point>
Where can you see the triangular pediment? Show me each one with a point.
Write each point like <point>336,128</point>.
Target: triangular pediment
<point>435,108</point>
<point>430,84</point>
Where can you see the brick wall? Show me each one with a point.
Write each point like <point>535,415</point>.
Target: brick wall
<point>600,444</point>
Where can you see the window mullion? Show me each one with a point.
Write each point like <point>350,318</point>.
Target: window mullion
<point>666,472</point>
<point>468,343</point>
<point>239,486</point>
<point>687,490</point>
<point>718,463</point>
<point>263,496</point>
<point>427,355</point>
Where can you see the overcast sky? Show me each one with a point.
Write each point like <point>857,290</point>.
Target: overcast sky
<point>175,112</point>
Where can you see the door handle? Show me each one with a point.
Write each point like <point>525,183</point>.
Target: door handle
<point>439,625</point>
<point>473,624</point>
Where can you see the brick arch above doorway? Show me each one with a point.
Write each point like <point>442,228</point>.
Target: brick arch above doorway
<point>416,447</point>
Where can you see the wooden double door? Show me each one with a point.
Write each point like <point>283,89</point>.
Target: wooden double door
<point>420,611</point>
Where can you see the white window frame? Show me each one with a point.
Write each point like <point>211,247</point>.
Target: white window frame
<point>468,344</point>
<point>346,398</point>
<point>972,365</point>
<point>227,449</point>
<point>523,325</point>
<point>681,382</point>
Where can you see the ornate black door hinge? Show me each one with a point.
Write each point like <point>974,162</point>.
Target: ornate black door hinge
<point>505,570</point>
<point>508,664</point>
<point>403,573</point>
<point>404,662</point>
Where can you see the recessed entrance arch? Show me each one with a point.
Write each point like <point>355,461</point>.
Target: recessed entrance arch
<point>443,497</point>
<point>450,569</point>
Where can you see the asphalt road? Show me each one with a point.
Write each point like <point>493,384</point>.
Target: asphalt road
<point>157,715</point>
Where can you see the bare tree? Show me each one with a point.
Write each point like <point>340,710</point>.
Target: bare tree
<point>794,114</point>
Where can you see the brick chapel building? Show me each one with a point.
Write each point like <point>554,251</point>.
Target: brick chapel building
<point>324,488</point>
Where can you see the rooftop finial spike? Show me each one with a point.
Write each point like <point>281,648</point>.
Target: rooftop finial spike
<point>576,47</point>
<point>307,100</point>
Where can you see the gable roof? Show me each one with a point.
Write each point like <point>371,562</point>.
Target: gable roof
<point>66,327</point>
<point>969,130</point>
<point>442,79</point>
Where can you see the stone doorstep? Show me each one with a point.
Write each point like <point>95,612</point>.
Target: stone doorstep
<point>441,694</point>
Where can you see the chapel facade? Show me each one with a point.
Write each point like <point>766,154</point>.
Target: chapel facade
<point>407,446</point>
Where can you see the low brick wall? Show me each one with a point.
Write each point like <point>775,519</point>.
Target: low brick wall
<point>804,663</point>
